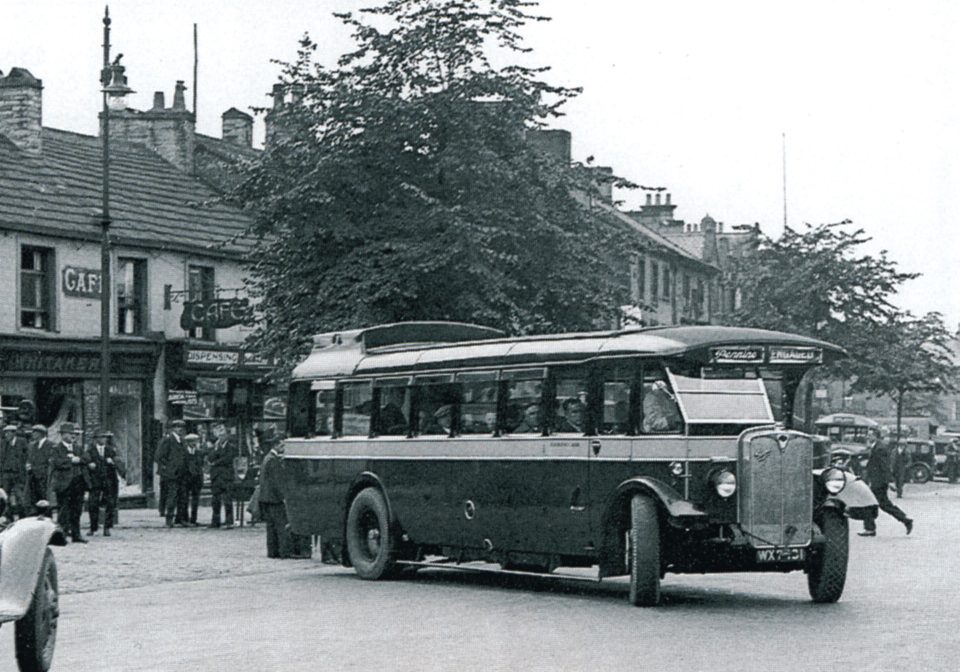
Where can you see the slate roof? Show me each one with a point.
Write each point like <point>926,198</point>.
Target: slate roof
<point>692,243</point>
<point>152,203</point>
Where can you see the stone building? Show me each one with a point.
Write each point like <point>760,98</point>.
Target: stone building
<point>177,299</point>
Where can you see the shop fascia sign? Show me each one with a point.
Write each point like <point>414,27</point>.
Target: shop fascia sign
<point>216,313</point>
<point>82,283</point>
<point>222,358</point>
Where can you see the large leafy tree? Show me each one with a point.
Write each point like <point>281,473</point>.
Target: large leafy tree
<point>404,184</point>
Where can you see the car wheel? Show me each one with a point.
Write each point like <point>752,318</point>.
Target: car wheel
<point>827,571</point>
<point>920,473</point>
<point>644,554</point>
<point>370,536</point>
<point>36,632</point>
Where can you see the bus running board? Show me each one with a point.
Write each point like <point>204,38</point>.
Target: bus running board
<point>451,564</point>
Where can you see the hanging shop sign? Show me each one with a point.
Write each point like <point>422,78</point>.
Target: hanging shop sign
<point>182,397</point>
<point>211,385</point>
<point>211,357</point>
<point>216,313</point>
<point>81,282</point>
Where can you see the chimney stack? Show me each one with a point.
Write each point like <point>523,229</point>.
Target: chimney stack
<point>237,127</point>
<point>21,110</point>
<point>158,101</point>
<point>178,101</point>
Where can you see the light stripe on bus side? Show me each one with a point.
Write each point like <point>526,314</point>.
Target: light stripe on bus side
<point>511,448</point>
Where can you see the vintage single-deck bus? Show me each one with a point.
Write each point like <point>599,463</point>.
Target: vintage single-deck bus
<point>640,452</point>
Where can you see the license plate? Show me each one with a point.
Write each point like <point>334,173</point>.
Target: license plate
<point>781,554</point>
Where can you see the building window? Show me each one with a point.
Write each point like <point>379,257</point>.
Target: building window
<point>131,296</point>
<point>666,282</point>
<point>200,287</point>
<point>36,288</point>
<point>654,281</point>
<point>686,288</point>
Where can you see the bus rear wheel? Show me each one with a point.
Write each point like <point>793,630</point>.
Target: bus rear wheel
<point>644,556</point>
<point>828,569</point>
<point>370,536</point>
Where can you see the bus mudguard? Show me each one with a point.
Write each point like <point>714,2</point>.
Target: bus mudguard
<point>672,502</point>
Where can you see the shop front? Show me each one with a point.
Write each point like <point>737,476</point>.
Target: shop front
<point>208,383</point>
<point>59,381</point>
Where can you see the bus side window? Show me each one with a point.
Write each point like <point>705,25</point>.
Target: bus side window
<point>661,415</point>
<point>356,409</point>
<point>323,405</point>
<point>436,404</point>
<point>570,405</point>
<point>478,407</point>
<point>615,418</point>
<point>298,410</point>
<point>522,407</point>
<point>394,410</point>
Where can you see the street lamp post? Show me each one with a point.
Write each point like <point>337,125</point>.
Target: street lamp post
<point>114,89</point>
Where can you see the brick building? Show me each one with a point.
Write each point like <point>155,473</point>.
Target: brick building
<point>174,248</point>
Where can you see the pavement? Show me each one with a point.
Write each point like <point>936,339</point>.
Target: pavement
<point>142,551</point>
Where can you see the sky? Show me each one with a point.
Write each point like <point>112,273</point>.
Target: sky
<point>698,96</point>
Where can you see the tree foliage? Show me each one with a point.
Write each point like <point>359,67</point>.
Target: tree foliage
<point>403,184</point>
<point>817,282</point>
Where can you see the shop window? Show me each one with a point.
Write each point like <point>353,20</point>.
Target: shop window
<point>131,296</point>
<point>36,288</point>
<point>201,287</point>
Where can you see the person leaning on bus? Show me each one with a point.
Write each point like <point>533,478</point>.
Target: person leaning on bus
<point>660,413</point>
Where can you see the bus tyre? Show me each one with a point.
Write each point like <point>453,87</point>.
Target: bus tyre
<point>36,632</point>
<point>644,552</point>
<point>370,536</point>
<point>828,568</point>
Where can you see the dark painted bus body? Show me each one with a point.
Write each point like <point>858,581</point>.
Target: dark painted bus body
<point>727,487</point>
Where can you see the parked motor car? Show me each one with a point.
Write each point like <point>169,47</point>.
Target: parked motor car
<point>924,463</point>
<point>29,596</point>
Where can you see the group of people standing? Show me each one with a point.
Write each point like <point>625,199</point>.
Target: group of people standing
<point>38,473</point>
<point>180,465</point>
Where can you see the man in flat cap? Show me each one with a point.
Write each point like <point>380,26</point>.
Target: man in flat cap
<point>69,480</point>
<point>171,464</point>
<point>220,458</point>
<point>105,468</point>
<point>37,467</point>
<point>13,475</point>
<point>193,478</point>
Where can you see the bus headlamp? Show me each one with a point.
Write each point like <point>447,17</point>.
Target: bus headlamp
<point>833,480</point>
<point>724,482</point>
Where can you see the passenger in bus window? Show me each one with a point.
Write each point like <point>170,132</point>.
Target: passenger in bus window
<point>532,420</point>
<point>573,413</point>
<point>437,422</point>
<point>392,418</point>
<point>619,422</point>
<point>660,412</point>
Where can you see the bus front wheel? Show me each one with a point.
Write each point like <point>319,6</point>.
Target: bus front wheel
<point>370,536</point>
<point>644,557</point>
<point>828,569</point>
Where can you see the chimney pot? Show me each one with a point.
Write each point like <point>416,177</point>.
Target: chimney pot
<point>277,96</point>
<point>649,199</point>
<point>668,198</point>
<point>178,101</point>
<point>658,198</point>
<point>159,102</point>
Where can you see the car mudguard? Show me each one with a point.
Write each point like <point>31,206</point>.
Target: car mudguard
<point>22,547</point>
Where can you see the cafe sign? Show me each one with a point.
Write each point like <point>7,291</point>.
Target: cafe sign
<point>82,283</point>
<point>216,313</point>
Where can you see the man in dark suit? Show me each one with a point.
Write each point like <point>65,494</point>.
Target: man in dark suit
<point>271,504</point>
<point>220,458</point>
<point>171,463</point>
<point>13,474</point>
<point>105,469</point>
<point>37,467</point>
<point>878,476</point>
<point>193,477</point>
<point>69,480</point>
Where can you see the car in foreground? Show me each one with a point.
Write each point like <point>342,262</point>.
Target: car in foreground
<point>29,596</point>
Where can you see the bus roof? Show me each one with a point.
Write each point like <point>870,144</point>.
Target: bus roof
<point>442,346</point>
